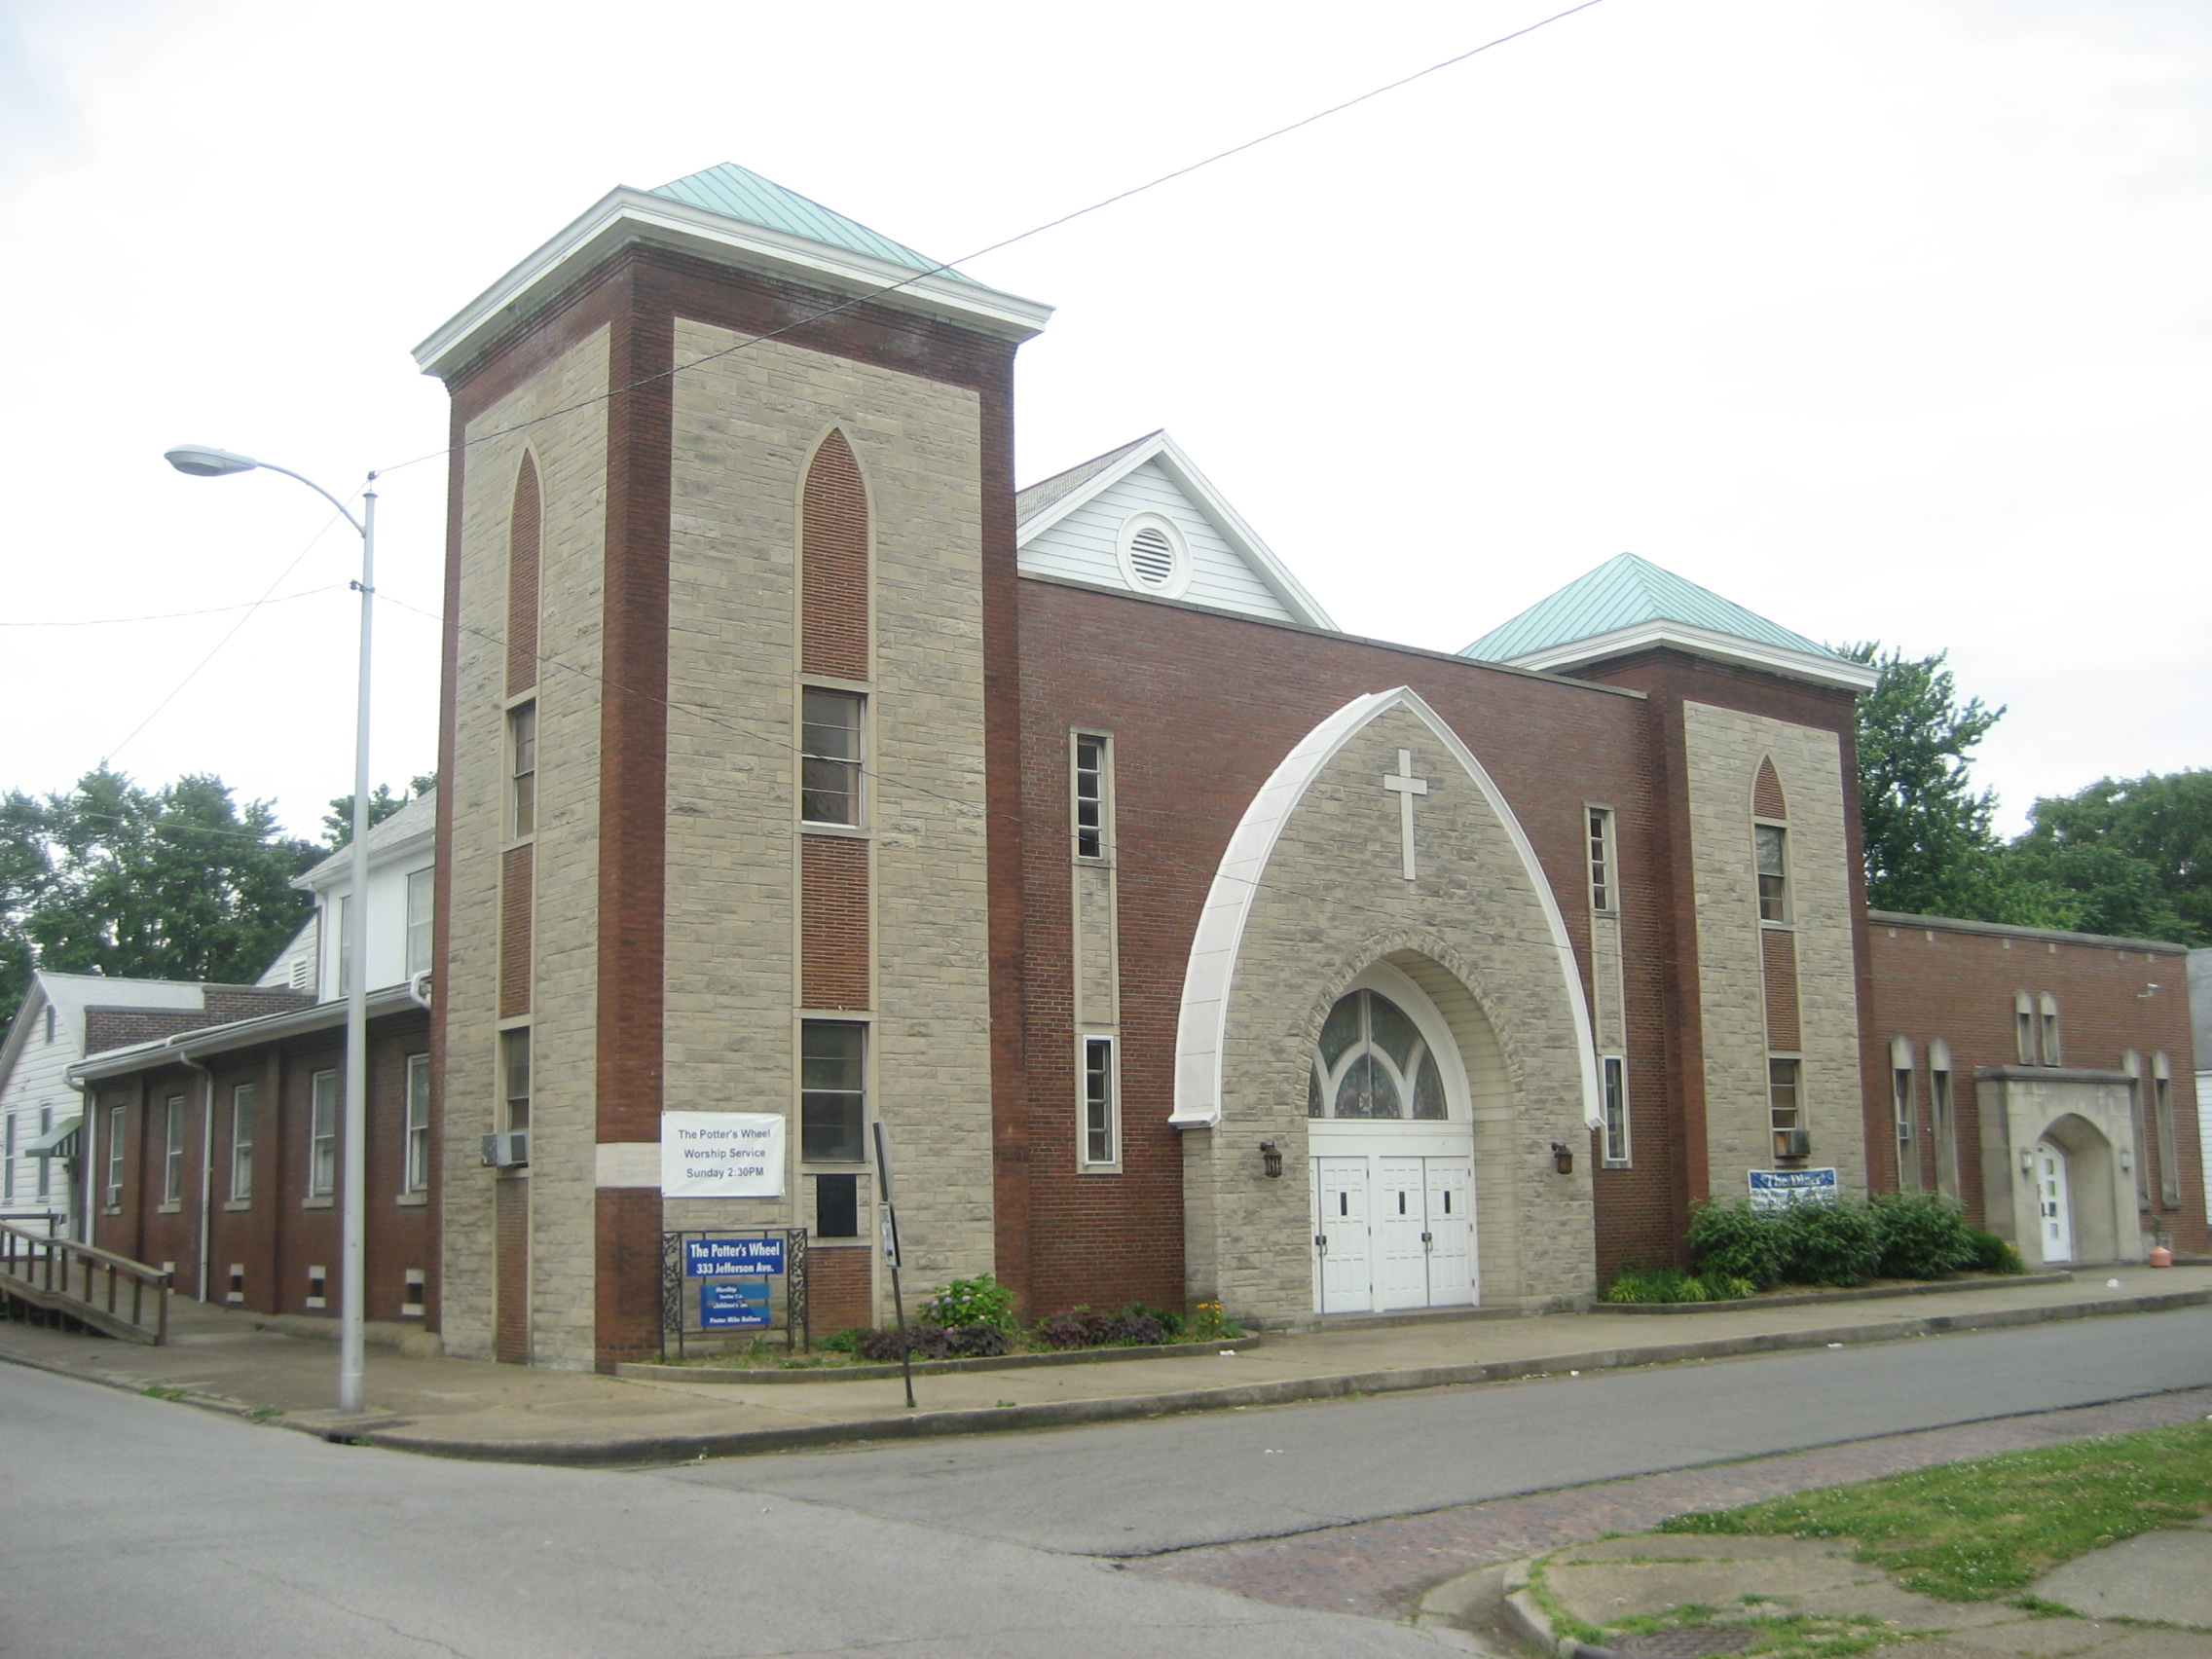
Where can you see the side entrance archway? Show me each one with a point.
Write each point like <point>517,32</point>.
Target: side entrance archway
<point>1390,1136</point>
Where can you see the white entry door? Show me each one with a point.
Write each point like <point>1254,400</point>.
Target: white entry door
<point>1451,1231</point>
<point>1400,1233</point>
<point>2054,1203</point>
<point>1340,1234</point>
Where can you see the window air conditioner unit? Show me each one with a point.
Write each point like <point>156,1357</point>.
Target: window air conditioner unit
<point>1793,1143</point>
<point>507,1151</point>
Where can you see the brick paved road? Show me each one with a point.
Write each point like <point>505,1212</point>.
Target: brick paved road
<point>1381,1568</point>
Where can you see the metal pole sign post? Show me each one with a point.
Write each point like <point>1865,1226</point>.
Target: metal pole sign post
<point>890,1255</point>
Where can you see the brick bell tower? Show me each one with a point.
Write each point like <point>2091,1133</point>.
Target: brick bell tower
<point>728,754</point>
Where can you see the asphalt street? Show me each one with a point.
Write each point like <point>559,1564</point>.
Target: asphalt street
<point>139,1525</point>
<point>1136,1489</point>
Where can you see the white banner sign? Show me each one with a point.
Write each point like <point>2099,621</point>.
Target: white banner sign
<point>722,1154</point>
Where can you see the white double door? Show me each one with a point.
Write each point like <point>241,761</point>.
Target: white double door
<point>1392,1231</point>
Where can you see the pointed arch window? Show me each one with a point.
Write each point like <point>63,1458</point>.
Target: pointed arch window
<point>524,527</point>
<point>1373,1062</point>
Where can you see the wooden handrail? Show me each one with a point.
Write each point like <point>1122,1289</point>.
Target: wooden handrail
<point>43,1266</point>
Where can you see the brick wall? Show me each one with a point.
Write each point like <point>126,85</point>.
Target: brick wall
<point>1958,983</point>
<point>1202,708</point>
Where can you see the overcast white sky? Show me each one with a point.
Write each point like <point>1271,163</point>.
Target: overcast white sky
<point>1888,318</point>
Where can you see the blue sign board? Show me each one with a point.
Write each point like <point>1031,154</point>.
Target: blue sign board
<point>732,1257</point>
<point>728,1307</point>
<point>1779,1189</point>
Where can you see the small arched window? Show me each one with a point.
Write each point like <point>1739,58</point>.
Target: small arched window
<point>524,523</point>
<point>1373,1062</point>
<point>1901,1097</point>
<point>2024,1026</point>
<point>2049,1010</point>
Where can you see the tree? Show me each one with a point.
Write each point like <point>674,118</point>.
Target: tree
<point>2138,849</point>
<point>337,821</point>
<point>175,883</point>
<point>1928,837</point>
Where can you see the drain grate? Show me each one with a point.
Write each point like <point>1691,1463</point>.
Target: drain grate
<point>1681,1643</point>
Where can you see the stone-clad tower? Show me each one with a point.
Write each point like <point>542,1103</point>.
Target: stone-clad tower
<point>728,818</point>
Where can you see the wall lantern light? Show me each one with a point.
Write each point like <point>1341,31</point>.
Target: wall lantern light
<point>1271,1159</point>
<point>1563,1157</point>
<point>2027,1161</point>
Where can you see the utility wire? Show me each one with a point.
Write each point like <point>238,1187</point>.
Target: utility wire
<point>176,615</point>
<point>1099,206</point>
<point>233,633</point>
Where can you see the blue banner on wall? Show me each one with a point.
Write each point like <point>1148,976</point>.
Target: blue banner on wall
<point>732,1257</point>
<point>728,1307</point>
<point>1779,1189</point>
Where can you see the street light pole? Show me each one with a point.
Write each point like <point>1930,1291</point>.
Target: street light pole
<point>201,461</point>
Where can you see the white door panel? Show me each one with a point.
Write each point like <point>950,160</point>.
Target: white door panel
<point>1451,1209</point>
<point>1399,1224</point>
<point>1340,1229</point>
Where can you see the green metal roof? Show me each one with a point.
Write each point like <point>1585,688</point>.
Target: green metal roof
<point>1625,593</point>
<point>739,192</point>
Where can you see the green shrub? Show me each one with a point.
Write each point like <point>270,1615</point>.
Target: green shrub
<point>1833,1243</point>
<point>1634,1284</point>
<point>1922,1238</point>
<point>1992,1254</point>
<point>979,1301</point>
<point>1736,1242</point>
<point>1172,1325</point>
<point>1209,1324</point>
<point>845,1341</point>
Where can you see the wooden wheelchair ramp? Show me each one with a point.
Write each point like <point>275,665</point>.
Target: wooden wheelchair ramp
<point>61,1281</point>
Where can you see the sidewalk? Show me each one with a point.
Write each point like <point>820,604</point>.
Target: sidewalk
<point>472,1408</point>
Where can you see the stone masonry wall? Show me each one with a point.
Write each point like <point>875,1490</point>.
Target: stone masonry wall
<point>571,453</point>
<point>746,427</point>
<point>1723,749</point>
<point>1331,902</point>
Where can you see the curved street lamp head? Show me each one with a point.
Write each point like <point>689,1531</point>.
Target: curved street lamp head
<point>202,461</point>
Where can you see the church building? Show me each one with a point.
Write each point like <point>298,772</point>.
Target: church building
<point>797,763</point>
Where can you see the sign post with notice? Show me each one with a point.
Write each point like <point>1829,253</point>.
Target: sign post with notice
<point>891,1253</point>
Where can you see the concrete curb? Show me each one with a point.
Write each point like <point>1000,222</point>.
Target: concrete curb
<point>1526,1617</point>
<point>1809,1298</point>
<point>646,1371</point>
<point>1062,1414</point>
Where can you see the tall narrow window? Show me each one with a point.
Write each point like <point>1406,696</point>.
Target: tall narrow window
<point>1786,1107</point>
<point>514,1079</point>
<point>832,1093</point>
<point>323,1134</point>
<point>8,1179</point>
<point>1901,1113</point>
<point>45,1165</point>
<point>115,1118</point>
<point>2132,1063</point>
<point>1091,785</point>
<point>2024,1027</point>
<point>1943,1116</point>
<point>1101,1126</point>
<point>173,1152</point>
<point>420,893</point>
<point>522,771</point>
<point>829,764</point>
<point>418,1173</point>
<point>2049,1010</point>
<point>50,1022</point>
<point>1600,828</point>
<point>1615,1079</point>
<point>523,542</point>
<point>1771,842</point>
<point>2162,1114</point>
<point>245,1101</point>
<point>833,565</point>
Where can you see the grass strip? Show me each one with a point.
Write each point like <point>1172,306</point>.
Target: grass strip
<point>1991,1527</point>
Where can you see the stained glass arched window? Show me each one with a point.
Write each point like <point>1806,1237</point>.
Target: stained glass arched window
<point>1373,1062</point>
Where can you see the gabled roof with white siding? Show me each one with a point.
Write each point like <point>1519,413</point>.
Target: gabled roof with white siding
<point>1075,526</point>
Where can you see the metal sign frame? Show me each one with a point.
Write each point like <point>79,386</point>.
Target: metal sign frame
<point>678,1317</point>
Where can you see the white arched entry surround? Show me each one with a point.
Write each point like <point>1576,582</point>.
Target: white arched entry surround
<point>1312,896</point>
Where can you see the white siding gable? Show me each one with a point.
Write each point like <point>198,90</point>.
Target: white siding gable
<point>1080,540</point>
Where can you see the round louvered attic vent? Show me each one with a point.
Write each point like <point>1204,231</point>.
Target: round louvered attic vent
<point>1152,556</point>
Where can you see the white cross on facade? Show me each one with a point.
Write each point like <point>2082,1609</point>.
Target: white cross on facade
<point>1405,785</point>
